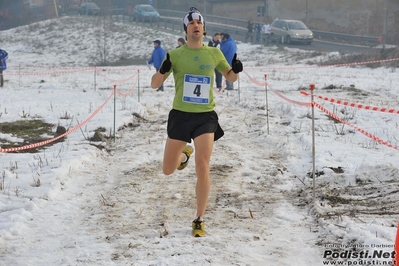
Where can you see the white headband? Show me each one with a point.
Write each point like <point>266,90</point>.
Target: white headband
<point>191,16</point>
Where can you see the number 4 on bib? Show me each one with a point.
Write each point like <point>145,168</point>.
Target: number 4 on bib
<point>196,89</point>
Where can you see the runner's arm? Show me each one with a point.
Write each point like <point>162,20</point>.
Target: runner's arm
<point>230,75</point>
<point>157,79</point>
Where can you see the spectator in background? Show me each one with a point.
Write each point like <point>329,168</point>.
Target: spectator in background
<point>215,42</point>
<point>249,34</point>
<point>229,49</point>
<point>180,42</point>
<point>266,33</point>
<point>3,65</point>
<point>258,29</point>
<point>158,54</point>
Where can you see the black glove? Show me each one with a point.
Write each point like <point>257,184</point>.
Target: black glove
<point>166,65</point>
<point>236,65</point>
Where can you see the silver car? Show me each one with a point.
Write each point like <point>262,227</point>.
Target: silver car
<point>288,31</point>
<point>145,13</point>
<point>89,8</point>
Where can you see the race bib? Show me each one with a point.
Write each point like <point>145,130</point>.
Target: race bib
<point>196,89</point>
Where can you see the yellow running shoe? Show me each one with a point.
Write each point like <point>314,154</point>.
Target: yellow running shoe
<point>188,150</point>
<point>198,228</point>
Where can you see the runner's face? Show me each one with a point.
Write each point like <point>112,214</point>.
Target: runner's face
<point>195,29</point>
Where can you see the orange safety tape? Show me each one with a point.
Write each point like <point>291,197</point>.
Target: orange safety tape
<point>373,137</point>
<point>19,67</point>
<point>60,136</point>
<point>116,80</point>
<point>254,80</point>
<point>334,65</point>
<point>276,92</point>
<point>356,105</point>
<point>118,68</point>
<point>289,100</point>
<point>129,92</point>
<point>48,73</point>
<point>10,66</point>
<point>64,72</point>
<point>258,68</point>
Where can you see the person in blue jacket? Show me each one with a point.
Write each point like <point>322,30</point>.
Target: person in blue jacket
<point>228,48</point>
<point>3,65</point>
<point>158,54</point>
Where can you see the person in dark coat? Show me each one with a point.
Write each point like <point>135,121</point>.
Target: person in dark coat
<point>158,54</point>
<point>180,42</point>
<point>258,29</point>
<point>215,42</point>
<point>3,65</point>
<point>250,30</point>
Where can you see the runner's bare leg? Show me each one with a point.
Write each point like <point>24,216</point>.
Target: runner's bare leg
<point>203,151</point>
<point>173,155</point>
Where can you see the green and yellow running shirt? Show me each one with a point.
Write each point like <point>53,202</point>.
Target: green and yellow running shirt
<point>193,72</point>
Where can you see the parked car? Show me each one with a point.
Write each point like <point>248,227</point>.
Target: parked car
<point>288,30</point>
<point>89,8</point>
<point>145,13</point>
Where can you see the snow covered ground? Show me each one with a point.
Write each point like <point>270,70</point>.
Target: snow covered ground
<point>79,202</point>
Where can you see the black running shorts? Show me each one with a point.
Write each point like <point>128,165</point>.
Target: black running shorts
<point>186,126</point>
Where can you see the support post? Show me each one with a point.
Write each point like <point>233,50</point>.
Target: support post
<point>239,90</point>
<point>312,86</point>
<point>114,113</point>
<point>56,8</point>
<point>19,76</point>
<point>95,77</point>
<point>266,105</point>
<point>138,85</point>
